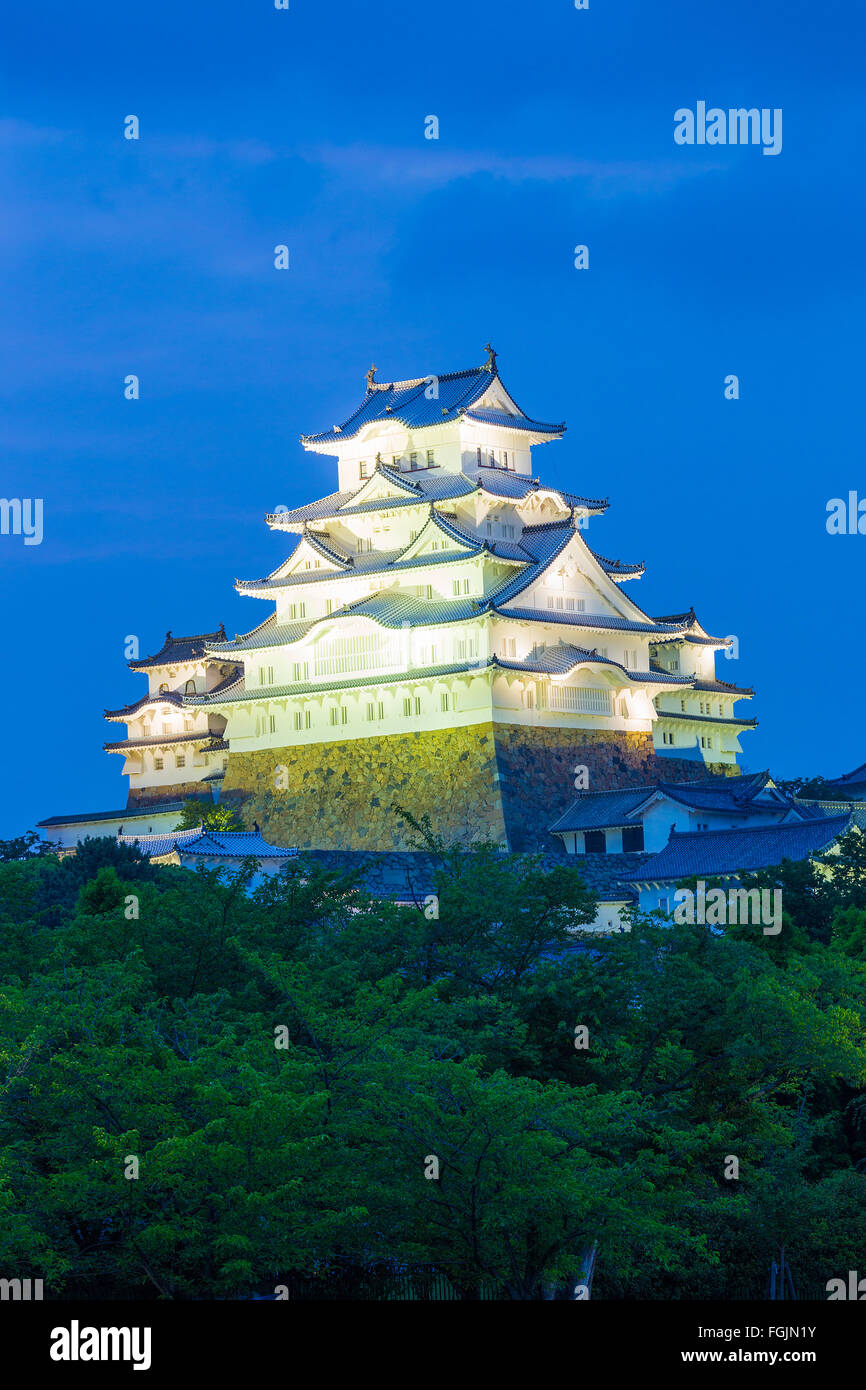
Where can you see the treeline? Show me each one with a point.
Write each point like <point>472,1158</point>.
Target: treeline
<point>309,1083</point>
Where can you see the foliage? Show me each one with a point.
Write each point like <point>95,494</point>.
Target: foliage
<point>211,817</point>
<point>284,1061</point>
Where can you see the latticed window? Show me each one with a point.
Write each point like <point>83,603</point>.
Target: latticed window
<point>367,652</point>
<point>581,699</point>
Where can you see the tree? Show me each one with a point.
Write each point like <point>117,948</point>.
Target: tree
<point>209,816</point>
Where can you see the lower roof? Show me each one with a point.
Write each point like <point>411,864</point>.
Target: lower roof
<point>706,853</point>
<point>127,813</point>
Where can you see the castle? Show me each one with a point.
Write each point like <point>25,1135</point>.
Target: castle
<point>441,636</point>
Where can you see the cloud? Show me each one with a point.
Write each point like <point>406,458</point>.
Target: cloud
<point>431,166</point>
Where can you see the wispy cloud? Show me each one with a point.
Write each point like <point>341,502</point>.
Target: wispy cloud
<point>433,166</point>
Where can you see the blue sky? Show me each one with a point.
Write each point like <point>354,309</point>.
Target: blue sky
<point>306,127</point>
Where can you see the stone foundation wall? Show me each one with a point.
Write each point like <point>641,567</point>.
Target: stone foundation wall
<point>500,782</point>
<point>152,796</point>
<point>537,773</point>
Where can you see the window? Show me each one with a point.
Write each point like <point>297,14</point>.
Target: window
<point>157,762</point>
<point>413,460</point>
<point>163,689</point>
<point>363,470</point>
<point>683,706</point>
<point>466,586</point>
<point>180,760</point>
<point>663,906</point>
<point>300,671</point>
<point>455,586</point>
<point>273,723</point>
<point>375,711</point>
<point>189,688</point>
<point>428,590</point>
<point>706,741</point>
<point>302,610</point>
<point>505,458</point>
<point>510,646</point>
<point>413,536</point>
<point>595,841</point>
<point>302,719</point>
<point>721,709</point>
<point>430,459</point>
<point>329,606</point>
<point>529,699</point>
<point>333,714</point>
<point>407,706</point>
<point>478,455</point>
<point>632,839</point>
<point>489,528</point>
<point>667,738</point>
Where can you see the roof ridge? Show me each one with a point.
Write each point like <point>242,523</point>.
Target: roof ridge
<point>784,826</point>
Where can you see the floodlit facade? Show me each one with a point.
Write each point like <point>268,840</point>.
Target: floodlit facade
<point>440,635</point>
<point>444,585</point>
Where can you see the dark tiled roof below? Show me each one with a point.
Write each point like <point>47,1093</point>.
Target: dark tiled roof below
<point>126,814</point>
<point>705,853</point>
<point>175,650</point>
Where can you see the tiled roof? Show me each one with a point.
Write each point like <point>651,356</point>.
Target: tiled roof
<point>544,543</point>
<point>270,633</point>
<point>511,422</point>
<point>220,844</point>
<point>321,542</point>
<point>166,740</point>
<point>278,692</point>
<point>618,568</point>
<point>502,482</point>
<point>705,853</point>
<point>597,810</point>
<point>716,687</point>
<point>431,485</point>
<point>857,778</point>
<point>560,660</point>
<point>409,403</point>
<point>592,810</point>
<point>600,622</point>
<point>175,650</point>
<point>165,697</point>
<point>681,718</point>
<point>125,814</point>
